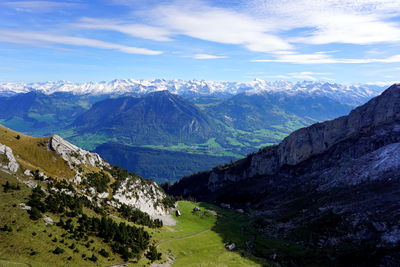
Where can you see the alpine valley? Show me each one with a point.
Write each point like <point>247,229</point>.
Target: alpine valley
<point>166,129</point>
<point>332,187</point>
<point>326,195</point>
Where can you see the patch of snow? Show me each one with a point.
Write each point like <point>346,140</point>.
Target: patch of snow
<point>351,94</point>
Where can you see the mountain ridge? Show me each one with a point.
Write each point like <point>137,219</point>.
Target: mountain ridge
<point>332,186</point>
<point>350,94</point>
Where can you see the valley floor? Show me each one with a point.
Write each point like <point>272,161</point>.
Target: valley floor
<point>195,240</point>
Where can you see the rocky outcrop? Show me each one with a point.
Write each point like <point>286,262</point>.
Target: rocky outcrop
<point>145,196</point>
<point>75,155</point>
<point>9,162</point>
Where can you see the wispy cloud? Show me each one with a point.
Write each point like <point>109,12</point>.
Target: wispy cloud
<point>323,58</point>
<point>39,38</point>
<point>335,21</point>
<point>273,26</point>
<point>40,6</point>
<point>304,75</point>
<point>207,56</point>
<point>218,25</point>
<point>136,30</point>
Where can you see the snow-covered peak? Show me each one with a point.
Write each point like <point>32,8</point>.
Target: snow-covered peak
<point>352,94</point>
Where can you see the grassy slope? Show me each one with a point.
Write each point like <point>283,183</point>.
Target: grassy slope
<point>194,241</point>
<point>16,246</point>
<point>33,152</point>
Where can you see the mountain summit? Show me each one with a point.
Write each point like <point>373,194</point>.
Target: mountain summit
<point>348,94</point>
<point>157,117</point>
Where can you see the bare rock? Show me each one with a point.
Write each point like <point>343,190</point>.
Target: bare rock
<point>75,155</point>
<point>145,197</point>
<point>11,163</point>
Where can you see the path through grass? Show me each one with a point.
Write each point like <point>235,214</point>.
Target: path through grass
<point>194,242</point>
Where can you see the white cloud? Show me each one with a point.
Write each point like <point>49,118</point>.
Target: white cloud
<point>40,6</point>
<point>382,83</point>
<point>323,58</point>
<point>39,38</point>
<point>267,26</point>
<point>207,56</point>
<point>137,30</point>
<point>218,25</point>
<point>334,21</point>
<point>304,75</point>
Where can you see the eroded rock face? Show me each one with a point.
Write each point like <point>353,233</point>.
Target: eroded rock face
<point>145,197</point>
<point>10,161</point>
<point>73,154</point>
<point>315,139</point>
<point>337,181</point>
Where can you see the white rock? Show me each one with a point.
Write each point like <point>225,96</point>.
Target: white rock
<point>103,195</point>
<point>143,197</point>
<point>75,155</point>
<point>30,184</point>
<point>12,163</point>
<point>48,220</point>
<point>24,206</point>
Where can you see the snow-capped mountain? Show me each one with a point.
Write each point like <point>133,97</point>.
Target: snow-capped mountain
<point>351,94</point>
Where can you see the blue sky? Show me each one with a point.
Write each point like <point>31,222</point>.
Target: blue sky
<point>346,41</point>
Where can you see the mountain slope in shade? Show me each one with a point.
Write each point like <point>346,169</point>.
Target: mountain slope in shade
<point>36,113</point>
<point>333,185</point>
<point>255,111</point>
<point>160,165</point>
<point>157,118</point>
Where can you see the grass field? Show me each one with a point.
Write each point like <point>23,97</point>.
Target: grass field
<point>196,241</point>
<point>33,152</point>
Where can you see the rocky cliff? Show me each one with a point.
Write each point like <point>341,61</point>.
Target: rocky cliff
<point>333,186</point>
<point>314,140</point>
<point>75,155</point>
<point>52,159</point>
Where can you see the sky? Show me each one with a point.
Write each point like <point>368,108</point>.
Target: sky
<point>344,41</point>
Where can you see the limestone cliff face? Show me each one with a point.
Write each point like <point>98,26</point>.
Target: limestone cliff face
<point>327,186</point>
<point>314,140</point>
<point>85,171</point>
<point>73,154</point>
<point>145,196</point>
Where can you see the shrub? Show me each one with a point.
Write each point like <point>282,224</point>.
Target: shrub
<point>34,213</point>
<point>152,254</point>
<point>104,253</point>
<point>93,258</point>
<point>58,250</point>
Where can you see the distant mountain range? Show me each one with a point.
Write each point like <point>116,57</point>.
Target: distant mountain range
<point>199,119</point>
<point>349,94</point>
